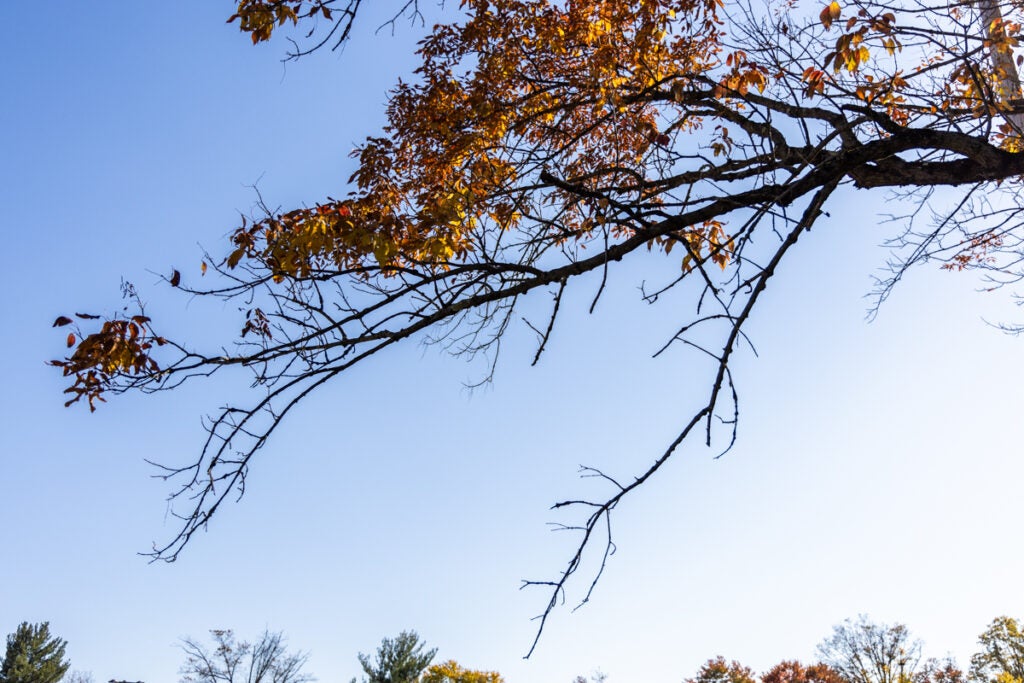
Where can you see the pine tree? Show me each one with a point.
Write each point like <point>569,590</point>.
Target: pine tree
<point>33,656</point>
<point>399,660</point>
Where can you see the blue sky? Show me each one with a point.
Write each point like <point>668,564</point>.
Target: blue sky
<point>878,468</point>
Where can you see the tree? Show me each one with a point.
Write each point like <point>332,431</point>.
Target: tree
<point>79,677</point>
<point>862,651</point>
<point>265,661</point>
<point>712,133</point>
<point>399,660</point>
<point>452,672</point>
<point>940,671</point>
<point>717,670</point>
<point>792,671</point>
<point>33,655</point>
<point>1001,659</point>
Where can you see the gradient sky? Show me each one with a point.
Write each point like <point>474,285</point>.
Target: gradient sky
<point>878,469</point>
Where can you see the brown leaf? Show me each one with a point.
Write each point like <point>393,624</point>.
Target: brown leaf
<point>62,321</point>
<point>175,279</point>
<point>87,316</point>
<point>71,340</point>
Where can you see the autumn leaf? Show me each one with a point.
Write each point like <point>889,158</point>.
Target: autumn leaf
<point>61,321</point>
<point>829,14</point>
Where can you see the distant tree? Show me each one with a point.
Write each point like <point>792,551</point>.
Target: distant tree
<point>792,671</point>
<point>717,670</point>
<point>940,671</point>
<point>1001,659</point>
<point>399,660</point>
<point>596,677</point>
<point>265,661</point>
<point>862,651</point>
<point>33,656</point>
<point>452,672</point>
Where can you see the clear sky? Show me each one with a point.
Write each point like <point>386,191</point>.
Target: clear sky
<point>878,469</point>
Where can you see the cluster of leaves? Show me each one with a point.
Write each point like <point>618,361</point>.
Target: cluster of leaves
<point>258,18</point>
<point>121,347</point>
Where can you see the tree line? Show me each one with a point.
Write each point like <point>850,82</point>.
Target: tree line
<point>857,651</point>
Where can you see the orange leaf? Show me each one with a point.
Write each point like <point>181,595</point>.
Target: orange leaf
<point>829,14</point>
<point>71,340</point>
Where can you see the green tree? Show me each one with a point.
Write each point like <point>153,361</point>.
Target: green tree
<point>33,656</point>
<point>1001,659</point>
<point>399,660</point>
<point>865,652</point>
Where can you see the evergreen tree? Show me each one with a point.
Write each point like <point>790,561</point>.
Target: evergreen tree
<point>399,660</point>
<point>33,656</point>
